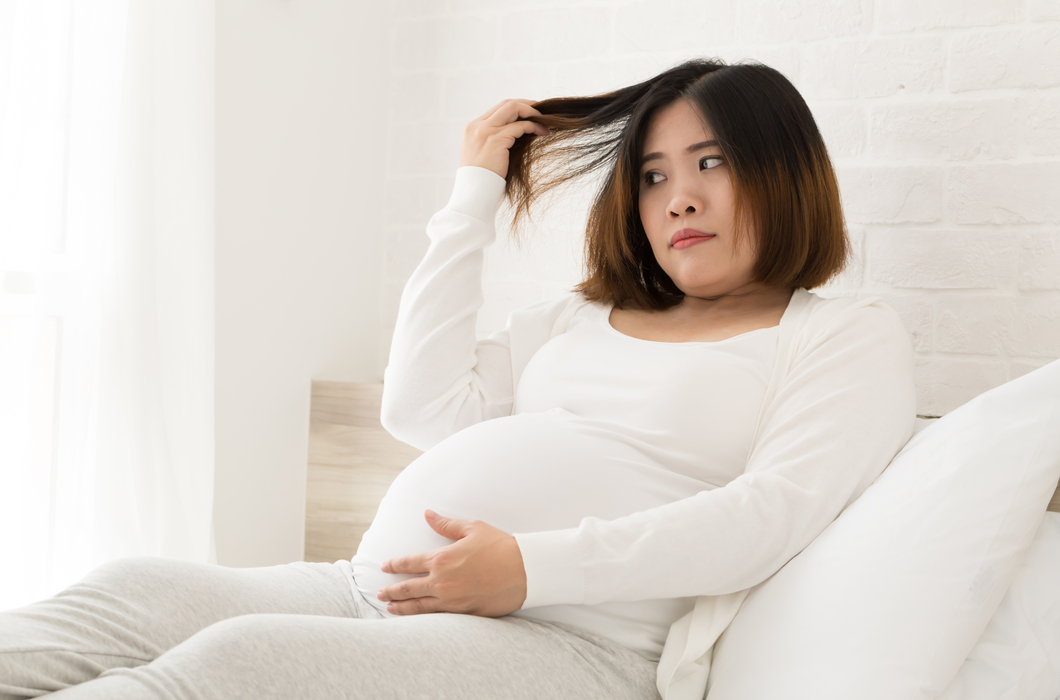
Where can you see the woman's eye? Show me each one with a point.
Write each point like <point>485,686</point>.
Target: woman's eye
<point>706,162</point>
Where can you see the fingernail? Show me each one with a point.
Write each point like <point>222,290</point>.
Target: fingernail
<point>431,513</point>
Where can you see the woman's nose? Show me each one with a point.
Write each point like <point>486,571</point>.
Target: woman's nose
<point>685,203</point>
<point>677,210</point>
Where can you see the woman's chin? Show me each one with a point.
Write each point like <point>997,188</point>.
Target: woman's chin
<point>704,290</point>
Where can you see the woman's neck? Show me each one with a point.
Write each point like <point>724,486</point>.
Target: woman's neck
<point>739,302</point>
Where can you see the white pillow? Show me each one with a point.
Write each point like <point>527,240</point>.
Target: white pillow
<point>890,599</point>
<point>1018,656</point>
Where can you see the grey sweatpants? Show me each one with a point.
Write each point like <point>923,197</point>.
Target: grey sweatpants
<point>148,627</point>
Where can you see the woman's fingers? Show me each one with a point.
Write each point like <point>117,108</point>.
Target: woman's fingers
<point>409,564</point>
<point>516,129</point>
<point>487,139</point>
<point>509,111</point>
<point>415,606</point>
<point>409,588</point>
<point>481,135</point>
<point>489,112</point>
<point>497,107</point>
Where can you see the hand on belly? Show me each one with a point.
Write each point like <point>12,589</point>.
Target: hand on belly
<point>481,573</point>
<point>530,472</point>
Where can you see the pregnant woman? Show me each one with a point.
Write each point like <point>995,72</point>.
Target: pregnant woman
<point>604,479</point>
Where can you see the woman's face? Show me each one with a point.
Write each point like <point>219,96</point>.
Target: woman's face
<point>685,187</point>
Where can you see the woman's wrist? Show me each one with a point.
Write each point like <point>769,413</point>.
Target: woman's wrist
<point>477,192</point>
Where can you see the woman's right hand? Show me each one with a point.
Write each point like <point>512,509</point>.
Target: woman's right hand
<point>488,138</point>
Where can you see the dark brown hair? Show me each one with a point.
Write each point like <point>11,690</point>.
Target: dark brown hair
<point>784,185</point>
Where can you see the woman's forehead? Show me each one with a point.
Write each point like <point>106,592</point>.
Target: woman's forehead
<point>674,128</point>
<point>675,121</point>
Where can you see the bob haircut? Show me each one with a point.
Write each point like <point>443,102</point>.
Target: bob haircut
<point>785,188</point>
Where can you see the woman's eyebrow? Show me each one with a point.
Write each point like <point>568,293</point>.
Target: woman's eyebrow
<point>691,149</point>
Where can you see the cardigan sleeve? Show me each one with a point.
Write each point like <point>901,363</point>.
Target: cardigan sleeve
<point>846,407</point>
<point>439,380</point>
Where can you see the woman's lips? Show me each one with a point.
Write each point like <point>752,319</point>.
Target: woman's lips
<point>692,240</point>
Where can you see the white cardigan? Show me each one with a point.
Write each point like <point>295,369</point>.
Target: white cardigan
<point>840,404</point>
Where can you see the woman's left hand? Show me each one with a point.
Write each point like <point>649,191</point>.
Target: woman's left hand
<point>480,574</point>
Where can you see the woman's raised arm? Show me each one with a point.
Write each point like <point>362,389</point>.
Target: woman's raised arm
<point>439,380</point>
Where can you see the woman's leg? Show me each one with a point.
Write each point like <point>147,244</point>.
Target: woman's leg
<point>128,612</point>
<point>437,656</point>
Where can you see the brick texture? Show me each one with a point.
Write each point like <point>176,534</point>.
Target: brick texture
<point>942,118</point>
<point>1009,58</point>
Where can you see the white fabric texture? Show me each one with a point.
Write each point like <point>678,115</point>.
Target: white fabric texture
<point>839,405</point>
<point>106,286</point>
<point>890,599</point>
<point>1018,655</point>
<point>603,425</point>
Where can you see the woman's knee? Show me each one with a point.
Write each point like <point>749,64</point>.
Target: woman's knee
<point>127,568</point>
<point>264,655</point>
<point>227,642</point>
<point>294,644</point>
<point>227,633</point>
<point>149,573</point>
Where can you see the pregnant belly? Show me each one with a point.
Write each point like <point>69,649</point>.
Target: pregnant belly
<point>524,473</point>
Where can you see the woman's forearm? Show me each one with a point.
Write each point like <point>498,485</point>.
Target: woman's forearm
<point>439,380</point>
<point>846,408</point>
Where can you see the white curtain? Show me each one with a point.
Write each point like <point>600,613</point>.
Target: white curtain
<point>106,287</point>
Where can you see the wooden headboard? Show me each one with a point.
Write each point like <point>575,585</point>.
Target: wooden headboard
<point>352,461</point>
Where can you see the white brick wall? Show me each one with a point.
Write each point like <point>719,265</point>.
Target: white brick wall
<point>942,117</point>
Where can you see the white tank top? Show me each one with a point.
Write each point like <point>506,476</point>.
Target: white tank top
<point>603,425</point>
